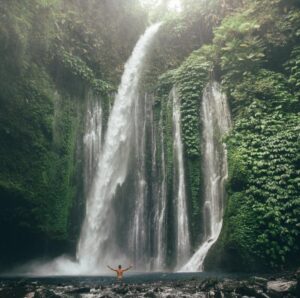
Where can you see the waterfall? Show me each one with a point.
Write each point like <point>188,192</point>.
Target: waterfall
<point>216,122</point>
<point>126,174</point>
<point>148,229</point>
<point>182,229</point>
<point>160,236</point>
<point>92,139</point>
<point>139,228</point>
<point>97,244</point>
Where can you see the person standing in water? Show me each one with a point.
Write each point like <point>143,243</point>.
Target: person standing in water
<point>119,271</point>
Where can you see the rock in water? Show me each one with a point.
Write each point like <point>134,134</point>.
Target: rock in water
<point>150,295</point>
<point>279,287</point>
<point>45,293</point>
<point>82,290</point>
<point>121,290</point>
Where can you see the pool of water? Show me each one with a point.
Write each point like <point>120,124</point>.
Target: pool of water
<point>129,278</point>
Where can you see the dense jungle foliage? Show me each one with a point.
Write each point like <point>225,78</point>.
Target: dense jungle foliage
<point>254,52</point>
<point>55,53</point>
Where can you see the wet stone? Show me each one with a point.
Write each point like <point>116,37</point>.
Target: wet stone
<point>150,295</point>
<point>219,294</point>
<point>11,292</point>
<point>208,284</point>
<point>279,288</point>
<point>82,290</point>
<point>30,295</point>
<point>139,289</point>
<point>121,290</point>
<point>247,290</point>
<point>44,293</point>
<point>260,280</point>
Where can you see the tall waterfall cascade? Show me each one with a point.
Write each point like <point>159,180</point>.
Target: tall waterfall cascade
<point>97,244</point>
<point>182,228</point>
<point>216,122</point>
<point>135,181</point>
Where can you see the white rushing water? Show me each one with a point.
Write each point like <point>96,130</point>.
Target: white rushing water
<point>106,169</point>
<point>139,228</point>
<point>147,234</point>
<point>96,245</point>
<point>182,228</point>
<point>128,207</point>
<point>92,139</point>
<point>160,236</point>
<point>216,122</point>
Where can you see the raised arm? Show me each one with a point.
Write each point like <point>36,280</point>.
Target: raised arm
<point>128,268</point>
<point>111,268</point>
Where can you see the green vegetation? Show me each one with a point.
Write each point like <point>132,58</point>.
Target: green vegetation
<point>53,54</point>
<point>189,80</point>
<point>257,52</point>
<point>254,51</point>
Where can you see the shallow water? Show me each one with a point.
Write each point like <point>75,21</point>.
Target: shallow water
<point>129,278</point>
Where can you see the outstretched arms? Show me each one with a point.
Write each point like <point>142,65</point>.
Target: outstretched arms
<point>111,268</point>
<point>128,268</point>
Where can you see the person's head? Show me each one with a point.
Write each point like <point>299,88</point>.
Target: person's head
<point>120,266</point>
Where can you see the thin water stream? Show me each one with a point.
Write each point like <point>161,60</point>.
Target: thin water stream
<point>216,123</point>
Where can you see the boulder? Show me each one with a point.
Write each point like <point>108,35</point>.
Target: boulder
<point>208,284</point>
<point>157,290</point>
<point>121,290</point>
<point>45,293</point>
<point>250,290</point>
<point>82,290</point>
<point>227,285</point>
<point>13,291</point>
<point>139,289</point>
<point>246,290</point>
<point>260,281</point>
<point>150,294</point>
<point>279,287</point>
<point>298,283</point>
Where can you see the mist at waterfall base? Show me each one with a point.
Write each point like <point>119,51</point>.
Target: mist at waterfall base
<point>99,238</point>
<point>118,227</point>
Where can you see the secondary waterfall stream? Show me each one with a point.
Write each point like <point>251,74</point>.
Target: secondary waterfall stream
<point>182,228</point>
<point>92,140</point>
<point>216,122</point>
